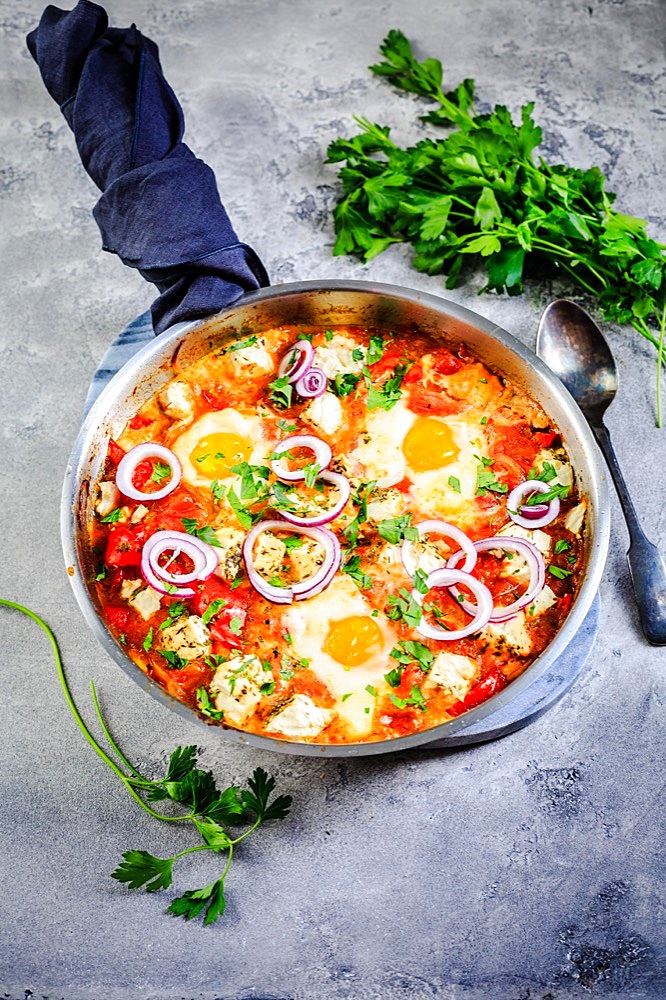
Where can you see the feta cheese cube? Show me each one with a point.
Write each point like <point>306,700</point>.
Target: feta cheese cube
<point>300,718</point>
<point>324,413</point>
<point>268,554</point>
<point>453,672</point>
<point>237,687</point>
<point>146,602</point>
<point>573,522</point>
<point>177,400</point>
<point>108,498</point>
<point>384,505</point>
<point>512,632</point>
<point>230,557</point>
<point>306,559</point>
<point>544,600</point>
<point>255,356</point>
<point>335,357</point>
<point>129,587</point>
<point>188,637</point>
<point>139,513</point>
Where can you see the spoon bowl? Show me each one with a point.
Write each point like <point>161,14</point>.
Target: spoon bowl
<point>574,348</point>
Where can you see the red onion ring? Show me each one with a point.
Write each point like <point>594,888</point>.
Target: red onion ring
<point>536,516</point>
<point>322,455</point>
<point>342,483</point>
<point>300,365</point>
<point>535,562</point>
<point>203,556</point>
<point>312,384</point>
<point>305,588</point>
<point>127,468</point>
<point>447,577</point>
<point>449,531</point>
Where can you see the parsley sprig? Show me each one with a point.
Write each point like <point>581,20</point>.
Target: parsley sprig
<point>211,811</point>
<point>483,193</point>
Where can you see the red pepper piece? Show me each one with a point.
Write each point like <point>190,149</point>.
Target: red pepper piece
<point>233,608</point>
<point>485,689</point>
<point>118,618</point>
<point>124,545</point>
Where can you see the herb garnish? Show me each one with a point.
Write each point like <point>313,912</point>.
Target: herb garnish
<point>206,534</point>
<point>484,193</point>
<point>240,345</point>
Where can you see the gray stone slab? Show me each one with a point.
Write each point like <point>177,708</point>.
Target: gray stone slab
<point>527,869</point>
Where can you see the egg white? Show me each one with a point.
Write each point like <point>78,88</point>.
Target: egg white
<point>227,421</point>
<point>308,623</point>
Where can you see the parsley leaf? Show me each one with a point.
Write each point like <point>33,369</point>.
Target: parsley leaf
<point>113,516</point>
<point>559,573</point>
<point>343,384</point>
<point>213,608</point>
<point>161,472</point>
<point>206,534</point>
<point>240,345</point>
<point>281,391</point>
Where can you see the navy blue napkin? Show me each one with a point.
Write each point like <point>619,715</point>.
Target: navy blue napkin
<point>160,210</point>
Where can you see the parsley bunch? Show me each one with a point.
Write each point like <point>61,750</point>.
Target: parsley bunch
<point>210,810</point>
<point>481,193</point>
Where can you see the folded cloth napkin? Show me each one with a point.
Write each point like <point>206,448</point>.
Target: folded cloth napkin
<point>160,210</point>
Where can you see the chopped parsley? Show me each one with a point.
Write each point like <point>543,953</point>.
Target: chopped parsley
<point>284,425</point>
<point>454,483</point>
<point>561,546</point>
<point>352,567</point>
<point>394,529</point>
<point>486,480</point>
<point>161,472</point>
<point>409,651</point>
<point>213,608</point>
<point>241,345</point>
<point>548,473</point>
<point>175,661</point>
<point>555,492</point>
<point>415,698</point>
<point>311,472</point>
<point>375,350</point>
<point>343,384</point>
<point>148,641</point>
<point>403,607</point>
<point>559,573</point>
<point>206,534</point>
<point>113,516</point>
<point>389,393</point>
<point>206,706</point>
<point>218,490</point>
<point>175,611</point>
<point>281,391</point>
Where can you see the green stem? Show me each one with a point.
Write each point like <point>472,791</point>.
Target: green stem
<point>76,714</point>
<point>112,742</point>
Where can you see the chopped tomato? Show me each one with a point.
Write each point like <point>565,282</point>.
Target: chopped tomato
<point>414,375</point>
<point>142,474</point>
<point>478,693</point>
<point>432,402</point>
<point>565,603</point>
<point>124,545</point>
<point>171,511</point>
<point>118,618</point>
<point>545,438</point>
<point>411,676</point>
<point>228,622</point>
<point>391,358</point>
<point>116,453</point>
<point>404,485</point>
<point>446,363</point>
<point>515,441</point>
<point>139,421</point>
<point>213,401</point>
<point>507,470</point>
<point>182,682</point>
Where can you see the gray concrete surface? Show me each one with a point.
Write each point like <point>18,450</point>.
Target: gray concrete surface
<point>529,869</point>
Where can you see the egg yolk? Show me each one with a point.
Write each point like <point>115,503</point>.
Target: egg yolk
<point>351,641</point>
<point>216,454</point>
<point>429,444</point>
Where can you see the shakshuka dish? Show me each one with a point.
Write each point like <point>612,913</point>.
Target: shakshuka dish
<point>336,535</point>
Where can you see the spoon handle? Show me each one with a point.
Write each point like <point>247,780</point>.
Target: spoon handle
<point>648,572</point>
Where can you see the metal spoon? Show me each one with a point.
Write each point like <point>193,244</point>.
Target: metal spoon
<point>573,347</point>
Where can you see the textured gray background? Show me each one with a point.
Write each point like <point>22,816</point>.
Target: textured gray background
<point>530,869</point>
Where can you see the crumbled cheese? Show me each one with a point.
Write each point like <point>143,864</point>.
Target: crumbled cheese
<point>188,637</point>
<point>229,553</point>
<point>453,672</point>
<point>253,356</point>
<point>573,522</point>
<point>384,505</point>
<point>300,718</point>
<point>335,357</point>
<point>513,632</point>
<point>177,401</point>
<point>268,554</point>
<point>564,471</point>
<point>324,413</point>
<point>129,587</point>
<point>146,602</point>
<point>544,600</point>
<point>425,556</point>
<point>109,495</point>
<point>139,513</point>
<point>237,687</point>
<point>388,555</point>
<point>306,559</point>
<point>539,538</point>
